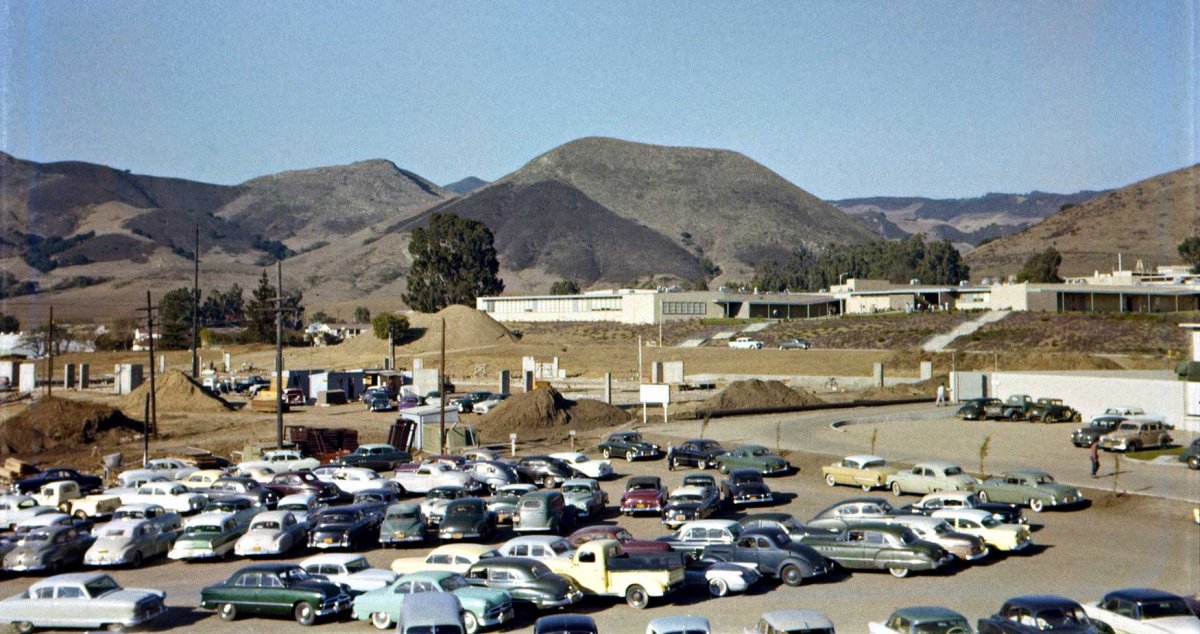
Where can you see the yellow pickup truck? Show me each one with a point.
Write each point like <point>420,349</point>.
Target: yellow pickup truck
<point>601,568</point>
<point>64,495</point>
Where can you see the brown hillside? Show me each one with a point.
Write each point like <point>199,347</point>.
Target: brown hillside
<point>1144,221</point>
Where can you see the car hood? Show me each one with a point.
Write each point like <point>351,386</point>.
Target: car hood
<point>392,526</point>
<point>1173,625</point>
<point>326,588</point>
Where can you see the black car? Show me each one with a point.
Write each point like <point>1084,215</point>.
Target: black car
<point>378,402</point>
<point>526,580</point>
<point>1191,455</point>
<point>87,483</point>
<point>294,482</point>
<point>746,486</point>
<point>697,452</point>
<point>544,470</point>
<point>374,502</point>
<point>341,527</point>
<point>1034,614</point>
<point>245,487</point>
<point>466,403</point>
<point>973,409</point>
<point>773,553</point>
<point>686,504</point>
<point>1007,513</point>
<point>565,624</point>
<point>378,457</point>
<point>794,528</point>
<point>467,518</point>
<point>243,384</point>
<point>1090,433</point>
<point>1146,605</point>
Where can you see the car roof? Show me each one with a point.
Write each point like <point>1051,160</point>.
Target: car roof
<point>218,517</point>
<point>297,497</point>
<point>543,493</point>
<point>680,623</point>
<point>1039,601</point>
<point>1141,594</point>
<point>940,464</point>
<point>750,447</point>
<point>745,471</point>
<point>927,612</point>
<point>565,623</point>
<point>474,550</point>
<point>535,539</point>
<point>429,575</point>
<point>954,495</point>
<point>332,558</point>
<point>141,506</point>
<point>568,454</point>
<point>919,520</point>
<point>796,619</point>
<point>587,481</point>
<point>524,563</point>
<point>644,480</point>
<point>272,515</point>
<point>70,577</point>
<point>275,567</point>
<point>970,514</point>
<point>376,445</point>
<point>710,524</point>
<point>863,457</point>
<point>688,490</point>
<point>770,517</point>
<point>1036,473</point>
<point>430,608</point>
<point>408,507</point>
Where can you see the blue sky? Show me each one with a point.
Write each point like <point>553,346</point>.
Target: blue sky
<point>845,99</point>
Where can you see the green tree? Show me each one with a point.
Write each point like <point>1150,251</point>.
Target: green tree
<point>362,314</point>
<point>261,324</point>
<point>1189,250</point>
<point>1041,268</point>
<point>175,319</point>
<point>564,287</point>
<point>322,316</point>
<point>8,323</point>
<point>454,261</point>
<point>392,327</point>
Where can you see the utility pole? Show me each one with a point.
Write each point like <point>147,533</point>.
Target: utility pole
<point>442,391</point>
<point>153,418</point>
<point>50,356</point>
<point>661,319</point>
<point>279,353</point>
<point>196,307</point>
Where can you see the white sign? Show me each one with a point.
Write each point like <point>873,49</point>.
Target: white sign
<point>655,394</point>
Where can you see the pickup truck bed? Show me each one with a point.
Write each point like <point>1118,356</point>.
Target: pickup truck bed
<point>646,561</point>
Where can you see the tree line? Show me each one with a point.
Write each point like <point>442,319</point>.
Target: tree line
<point>897,261</point>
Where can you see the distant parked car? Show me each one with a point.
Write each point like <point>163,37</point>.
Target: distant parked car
<point>378,402</point>
<point>878,546</point>
<point>48,549</point>
<point>964,500</point>
<point>87,483</point>
<point>1100,425</point>
<point>452,557</point>
<point>840,515</point>
<point>293,482</point>
<point>480,607</point>
<point>693,537</point>
<point>486,405</point>
<point>746,343</point>
<point>544,470</point>
<point>529,582</point>
<point>242,487</point>
<point>271,533</point>
<point>128,542</point>
<point>565,624</point>
<point>1191,455</point>
<point>644,494</point>
<point>276,589</point>
<point>588,468</point>
<point>630,445</point>
<point>379,457</point>
<point>698,452</point>
<point>546,510</point>
<point>586,496</point>
<point>504,502</point>
<point>679,625</point>
<point>492,474</point>
<point>998,535</point>
<point>15,509</point>
<point>540,547</point>
<point>1144,611</point>
<point>622,535</point>
<point>931,477</point>
<point>793,622</point>
<point>350,569</point>
<point>1037,489</point>
<point>1015,407</point>
<point>402,524</point>
<point>466,403</point>
<point>689,503</point>
<point>207,536</point>
<point>1035,614</point>
<point>922,620</point>
<point>861,470</point>
<point>795,343</point>
<point>976,408</point>
<point>754,457</point>
<point>341,527</point>
<point>467,518</point>
<point>1136,434</point>
<point>82,600</point>
<point>773,554</point>
<point>1052,410</point>
<point>746,486</point>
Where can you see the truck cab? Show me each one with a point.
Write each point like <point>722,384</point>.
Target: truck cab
<point>601,568</point>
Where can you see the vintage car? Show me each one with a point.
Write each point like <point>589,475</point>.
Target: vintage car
<point>481,607</point>
<point>431,476</point>
<point>467,518</point>
<point>628,444</point>
<point>271,533</point>
<point>586,496</point>
<point>936,531</point>
<point>378,402</point>
<point>241,508</point>
<point>207,536</point>
<point>1004,537</point>
<point>527,582</point>
<point>697,452</point>
<point>481,454</point>
<point>565,623</point>
<point>964,500</point>
<point>491,474</point>
<point>544,470</point>
<point>247,488</point>
<point>436,500</point>
<point>351,480</point>
<point>1035,489</point>
<point>402,524</point>
<point>840,515</point>
<point>48,548</point>
<point>302,505</point>
<point>341,527</point>
<point>374,502</point>
<point>261,475</point>
<point>1035,614</point>
<point>621,535</point>
<point>773,554</point>
<point>1052,410</point>
<point>15,509</point>
<point>134,478</point>
<point>679,624</point>
<point>89,600</point>
<point>931,477</point>
<point>276,589</point>
<point>409,401</point>
<point>588,468</point>
<point>52,519</point>
<point>351,570</point>
<point>87,483</point>
<point>172,468</point>
<point>1136,434</point>
<point>128,543</point>
<point>169,522</point>
<point>325,472</point>
<point>746,486</point>
<point>644,494</point>
<point>785,522</point>
<point>745,343</point>
<point>297,482</point>
<point>379,457</point>
<point>487,405</point>
<point>976,408</point>
<point>754,457</point>
<point>466,403</point>
<point>689,503</point>
<point>879,546</point>
<point>795,343</point>
<point>504,502</point>
<point>452,557</point>
<point>174,496</point>
<point>1100,425</point>
<point>792,622</point>
<point>863,471</point>
<point>922,620</point>
<point>601,568</point>
<point>65,496</point>
<point>1015,407</point>
<point>202,480</point>
<point>537,547</point>
<point>280,460</point>
<point>720,578</point>
<point>544,511</point>
<point>1191,455</point>
<point>1144,611</point>
<point>693,537</point>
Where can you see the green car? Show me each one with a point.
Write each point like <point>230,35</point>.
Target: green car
<point>754,457</point>
<point>402,524</point>
<point>628,444</point>
<point>482,607</point>
<point>877,546</point>
<point>276,589</point>
<point>1036,489</point>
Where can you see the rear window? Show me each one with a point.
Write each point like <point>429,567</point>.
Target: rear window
<point>531,504</point>
<point>953,471</point>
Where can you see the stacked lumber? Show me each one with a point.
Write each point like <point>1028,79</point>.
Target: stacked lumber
<point>14,469</point>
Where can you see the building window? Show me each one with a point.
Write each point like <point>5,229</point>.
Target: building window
<point>683,308</point>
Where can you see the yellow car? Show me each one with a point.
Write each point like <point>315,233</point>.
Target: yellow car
<point>998,535</point>
<point>453,557</point>
<point>202,480</point>
<point>864,471</point>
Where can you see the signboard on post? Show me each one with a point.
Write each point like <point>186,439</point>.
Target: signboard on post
<point>654,394</point>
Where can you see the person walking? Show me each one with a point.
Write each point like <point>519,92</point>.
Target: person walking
<point>670,457</point>
<point>941,395</point>
<point>1094,453</point>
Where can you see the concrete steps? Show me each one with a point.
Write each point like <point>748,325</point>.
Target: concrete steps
<point>939,343</point>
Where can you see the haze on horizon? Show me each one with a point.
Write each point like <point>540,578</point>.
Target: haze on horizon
<point>934,99</point>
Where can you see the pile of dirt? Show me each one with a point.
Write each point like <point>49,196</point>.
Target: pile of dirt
<point>53,422</point>
<point>173,392</point>
<point>466,327</point>
<point>927,388</point>
<point>754,393</point>
<point>544,411</point>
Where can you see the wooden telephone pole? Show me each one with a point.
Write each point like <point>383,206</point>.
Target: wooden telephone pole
<point>280,310</point>
<point>50,356</point>
<point>151,427</point>
<point>442,391</point>
<point>196,307</point>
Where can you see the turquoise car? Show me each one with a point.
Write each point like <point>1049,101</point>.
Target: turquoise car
<point>481,607</point>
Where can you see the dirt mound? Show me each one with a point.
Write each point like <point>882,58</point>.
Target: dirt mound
<point>544,411</point>
<point>466,327</point>
<point>755,393</point>
<point>174,392</point>
<point>53,422</point>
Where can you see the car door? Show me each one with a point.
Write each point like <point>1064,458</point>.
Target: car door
<point>854,549</point>
<point>245,593</point>
<point>273,595</point>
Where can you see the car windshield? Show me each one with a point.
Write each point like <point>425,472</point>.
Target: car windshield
<point>538,570</point>
<point>452,583</point>
<point>266,525</point>
<point>100,586</point>
<point>202,529</point>
<point>1167,607</point>
<point>129,515</point>
<point>441,494</point>
<point>1045,479</point>
<point>460,509</point>
<point>747,478</point>
<point>758,451</point>
<point>294,506</point>
<point>577,488</point>
<point>874,464</point>
<point>403,515</point>
<point>116,532</point>
<point>685,498</point>
<point>1064,618</point>
<point>953,471</point>
<point>707,444</point>
<point>990,522</point>
<point>335,518</point>
<point>643,486</point>
<point>357,565</point>
<point>294,575</point>
<point>941,626</point>
<point>1128,427</point>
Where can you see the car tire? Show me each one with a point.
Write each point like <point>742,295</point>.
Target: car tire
<point>791,575</point>
<point>24,627</point>
<point>898,573</point>
<point>381,620</point>
<point>637,597</point>
<point>606,453</point>
<point>724,468</point>
<point>1047,418</point>
<point>114,627</point>
<point>829,479</point>
<point>718,587</point>
<point>1036,505</point>
<point>896,490</point>
<point>629,456</point>
<point>548,482</point>
<point>702,464</point>
<point>227,611</point>
<point>1133,446</point>
<point>983,496</point>
<point>867,488</point>
<point>137,559</point>
<point>80,515</point>
<point>65,507</point>
<point>304,613</point>
<point>1194,462</point>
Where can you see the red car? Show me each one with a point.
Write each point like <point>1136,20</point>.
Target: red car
<point>293,482</point>
<point>628,543</point>
<point>644,494</point>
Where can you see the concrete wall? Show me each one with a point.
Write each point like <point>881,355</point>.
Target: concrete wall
<point>1092,393</point>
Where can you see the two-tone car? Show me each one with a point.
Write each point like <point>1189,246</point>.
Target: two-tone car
<point>936,531</point>
<point>1035,614</point>
<point>931,477</point>
<point>271,533</point>
<point>754,457</point>
<point>349,569</point>
<point>302,505</point>
<point>586,467</point>
<point>402,524</point>
<point>1136,433</point>
<point>1006,513</point>
<point>644,494</point>
<point>298,482</point>
<point>378,457</point>
<point>999,536</point>
<point>719,577</point>
<point>537,547</point>
<point>48,549</point>
<point>922,620</point>
<point>207,536</point>
<point>629,445</point>
<point>456,557</point>
<point>276,589</point>
<point>861,470</point>
<point>586,496</point>
<point>1097,427</point>
<point>527,582</point>
<point>128,542</point>
<point>693,537</point>
<point>491,474</point>
<point>88,600</point>
<point>1032,488</point>
<point>689,503</point>
<point>432,475</point>
<point>544,470</point>
<point>480,607</point>
<point>879,546</point>
<point>1144,611</point>
<point>169,495</point>
<point>628,542</point>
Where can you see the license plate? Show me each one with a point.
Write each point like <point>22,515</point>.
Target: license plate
<point>458,536</point>
<point>641,505</point>
<point>258,549</point>
<point>102,552</point>
<point>398,535</point>
<point>328,540</point>
<point>679,517</point>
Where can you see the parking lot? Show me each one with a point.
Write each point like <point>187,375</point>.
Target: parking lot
<point>1116,541</point>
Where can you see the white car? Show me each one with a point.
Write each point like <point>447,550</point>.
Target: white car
<point>351,569</point>
<point>261,475</point>
<point>173,468</point>
<point>1144,611</point>
<point>302,505</point>
<point>486,405</point>
<point>170,495</point>
<point>351,480</point>
<point>169,522</point>
<point>746,343</point>
<point>325,472</point>
<point>15,509</point>
<point>281,460</point>
<point>453,557</point>
<point>723,578</point>
<point>431,475</point>
<point>540,547</point>
<point>271,533</point>
<point>597,469</point>
<point>128,542</point>
<point>135,478</point>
